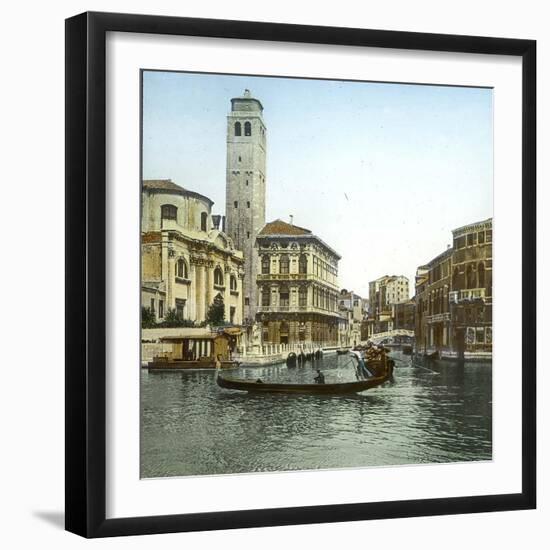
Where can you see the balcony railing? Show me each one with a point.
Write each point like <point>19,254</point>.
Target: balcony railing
<point>295,309</point>
<point>438,318</point>
<point>469,295</point>
<point>294,277</point>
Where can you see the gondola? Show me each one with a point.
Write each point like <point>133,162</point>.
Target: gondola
<point>258,386</point>
<point>342,351</point>
<point>407,350</point>
<point>291,360</point>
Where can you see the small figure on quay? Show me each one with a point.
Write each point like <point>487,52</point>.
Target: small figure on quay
<point>320,378</point>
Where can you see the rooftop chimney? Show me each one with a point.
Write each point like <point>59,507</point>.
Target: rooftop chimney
<point>291,219</point>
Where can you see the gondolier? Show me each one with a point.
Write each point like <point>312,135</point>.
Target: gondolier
<point>362,370</point>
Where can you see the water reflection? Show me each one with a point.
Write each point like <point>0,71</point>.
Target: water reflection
<point>432,412</point>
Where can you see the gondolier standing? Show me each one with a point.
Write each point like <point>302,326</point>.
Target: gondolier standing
<point>362,369</point>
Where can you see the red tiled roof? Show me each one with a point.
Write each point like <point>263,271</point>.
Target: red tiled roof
<point>279,227</point>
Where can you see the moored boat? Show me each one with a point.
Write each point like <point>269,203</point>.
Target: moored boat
<point>195,349</point>
<point>291,360</point>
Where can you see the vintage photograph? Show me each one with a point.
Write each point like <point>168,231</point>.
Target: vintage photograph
<point>316,274</point>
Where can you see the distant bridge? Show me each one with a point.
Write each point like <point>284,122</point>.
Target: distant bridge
<point>392,333</point>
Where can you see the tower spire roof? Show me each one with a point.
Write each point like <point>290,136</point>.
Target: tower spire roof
<point>246,103</point>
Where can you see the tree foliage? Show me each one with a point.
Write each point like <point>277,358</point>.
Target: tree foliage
<point>173,320</point>
<point>216,312</point>
<point>148,319</point>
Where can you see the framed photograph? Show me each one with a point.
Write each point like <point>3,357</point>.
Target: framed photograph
<point>300,274</point>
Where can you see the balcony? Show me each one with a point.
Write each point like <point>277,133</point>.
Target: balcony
<point>296,309</point>
<point>281,276</point>
<point>469,295</point>
<point>288,277</point>
<point>438,318</point>
<point>183,281</point>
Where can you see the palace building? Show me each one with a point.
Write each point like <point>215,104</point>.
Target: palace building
<point>186,261</point>
<point>297,286</point>
<point>454,303</point>
<point>433,316</point>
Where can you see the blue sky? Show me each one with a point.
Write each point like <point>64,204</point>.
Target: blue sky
<point>381,172</point>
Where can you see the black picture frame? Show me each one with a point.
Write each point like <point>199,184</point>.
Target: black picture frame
<point>86,274</point>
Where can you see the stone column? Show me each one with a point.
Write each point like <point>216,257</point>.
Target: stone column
<point>227,293</point>
<point>168,274</point>
<point>192,294</point>
<point>208,285</point>
<point>240,302</point>
<point>199,295</point>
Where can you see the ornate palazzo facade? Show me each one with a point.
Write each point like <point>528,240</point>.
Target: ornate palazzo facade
<point>454,299</point>
<point>297,286</point>
<point>186,261</point>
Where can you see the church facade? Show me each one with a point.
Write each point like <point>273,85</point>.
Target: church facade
<point>297,282</point>
<point>186,260</point>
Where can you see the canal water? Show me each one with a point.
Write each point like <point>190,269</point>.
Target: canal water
<point>432,412</point>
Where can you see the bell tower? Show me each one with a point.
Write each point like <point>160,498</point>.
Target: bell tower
<point>245,187</point>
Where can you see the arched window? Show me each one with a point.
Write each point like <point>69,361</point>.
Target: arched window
<point>247,129</point>
<point>456,279</point>
<point>470,277</point>
<point>233,283</point>
<point>169,212</point>
<point>265,265</point>
<point>283,328</point>
<point>237,128</point>
<point>266,296</point>
<point>218,277</point>
<point>204,221</point>
<point>181,269</point>
<point>302,296</point>
<point>283,296</point>
<point>302,264</point>
<point>481,275</point>
<point>284,264</point>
